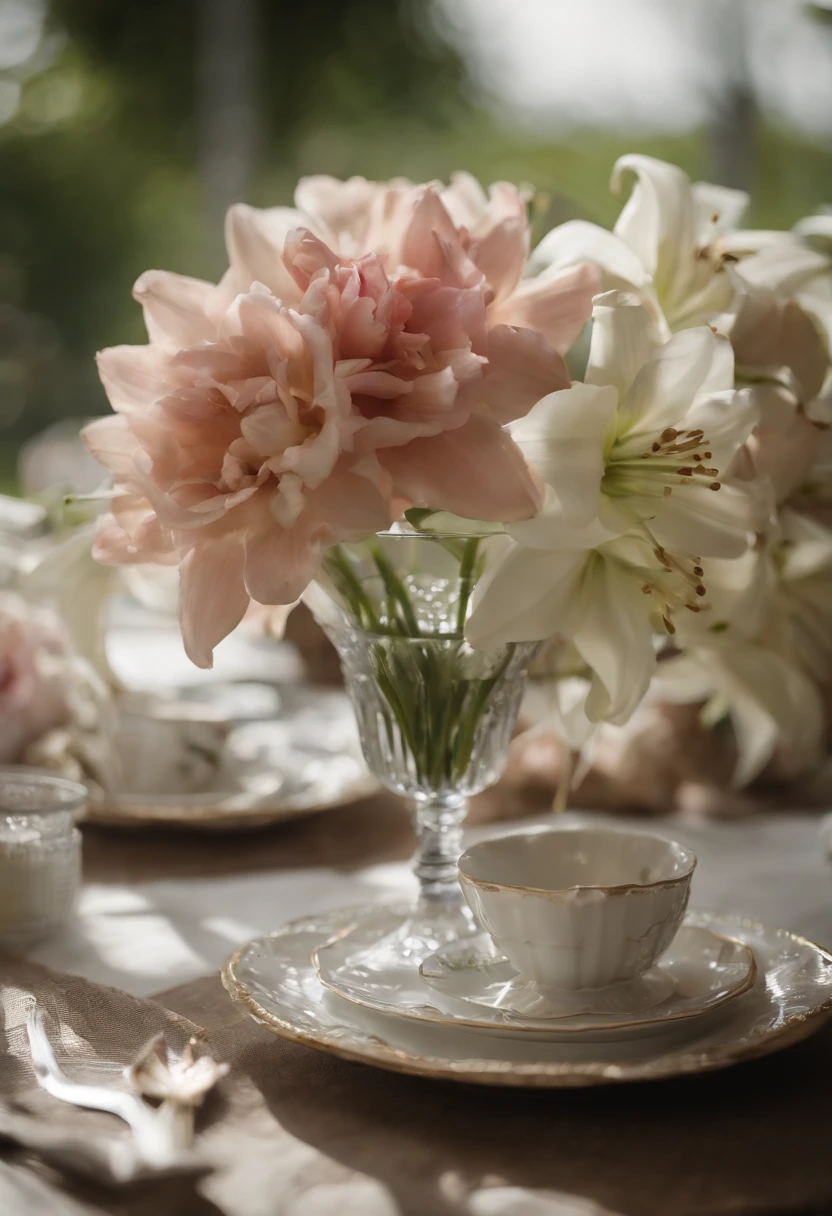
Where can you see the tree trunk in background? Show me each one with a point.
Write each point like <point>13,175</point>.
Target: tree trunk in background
<point>731,130</point>
<point>227,118</point>
<point>731,139</point>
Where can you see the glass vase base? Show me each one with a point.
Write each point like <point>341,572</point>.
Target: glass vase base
<point>426,928</point>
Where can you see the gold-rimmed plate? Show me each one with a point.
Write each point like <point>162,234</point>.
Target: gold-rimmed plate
<point>469,986</point>
<point>274,980</point>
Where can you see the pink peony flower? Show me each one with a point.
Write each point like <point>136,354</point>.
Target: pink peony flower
<point>306,400</point>
<point>456,232</point>
<point>33,688</point>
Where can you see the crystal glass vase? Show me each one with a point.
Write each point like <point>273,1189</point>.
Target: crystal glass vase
<point>435,716</point>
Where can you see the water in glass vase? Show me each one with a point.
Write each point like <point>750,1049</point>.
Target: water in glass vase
<point>435,716</point>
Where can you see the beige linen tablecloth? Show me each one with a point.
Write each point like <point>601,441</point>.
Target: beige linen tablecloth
<point>160,908</point>
<point>296,1133</point>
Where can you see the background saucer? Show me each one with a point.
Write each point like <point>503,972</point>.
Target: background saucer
<point>307,758</point>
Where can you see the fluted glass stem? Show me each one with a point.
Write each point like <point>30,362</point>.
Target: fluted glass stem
<point>438,822</point>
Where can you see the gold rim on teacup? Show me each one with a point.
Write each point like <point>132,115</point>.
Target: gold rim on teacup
<point>579,909</point>
<point>611,888</point>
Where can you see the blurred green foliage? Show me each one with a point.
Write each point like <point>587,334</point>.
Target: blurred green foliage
<point>99,181</point>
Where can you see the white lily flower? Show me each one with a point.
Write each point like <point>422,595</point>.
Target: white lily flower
<point>665,246</point>
<point>559,704</point>
<point>778,594</point>
<point>771,702</point>
<point>645,441</point>
<point>766,645</point>
<point>804,563</point>
<point>608,596</point>
<point>794,265</point>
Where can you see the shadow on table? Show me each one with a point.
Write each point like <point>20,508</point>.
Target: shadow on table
<point>752,1139</point>
<point>372,831</point>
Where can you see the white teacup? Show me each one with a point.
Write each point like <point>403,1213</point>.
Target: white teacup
<point>575,908</point>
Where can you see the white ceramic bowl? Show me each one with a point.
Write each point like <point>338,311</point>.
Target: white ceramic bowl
<point>578,908</point>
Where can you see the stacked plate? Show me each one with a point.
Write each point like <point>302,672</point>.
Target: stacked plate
<point>726,990</point>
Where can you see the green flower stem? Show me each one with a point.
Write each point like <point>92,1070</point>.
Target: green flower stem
<point>433,706</point>
<point>341,568</point>
<point>397,591</point>
<point>466,581</point>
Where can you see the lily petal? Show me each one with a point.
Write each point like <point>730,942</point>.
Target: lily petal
<point>563,437</point>
<point>549,529</point>
<point>657,221</point>
<point>727,420</point>
<point>624,336</point>
<point>615,639</point>
<point>665,387</point>
<point>717,209</point>
<point>529,595</point>
<point>578,241</point>
<point>707,523</point>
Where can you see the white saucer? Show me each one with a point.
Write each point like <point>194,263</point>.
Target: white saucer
<point>701,971</point>
<point>241,772</point>
<point>273,980</point>
<point>479,990</point>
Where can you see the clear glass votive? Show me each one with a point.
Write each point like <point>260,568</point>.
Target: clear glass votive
<point>40,852</point>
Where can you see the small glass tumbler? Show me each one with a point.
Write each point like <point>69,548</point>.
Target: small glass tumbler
<point>40,852</point>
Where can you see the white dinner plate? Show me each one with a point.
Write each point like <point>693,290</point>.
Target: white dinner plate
<point>274,980</point>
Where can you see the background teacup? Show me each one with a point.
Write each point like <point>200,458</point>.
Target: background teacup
<point>166,747</point>
<point>576,908</point>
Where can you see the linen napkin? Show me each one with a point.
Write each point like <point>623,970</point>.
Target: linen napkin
<point>95,1032</point>
<point>260,1168</point>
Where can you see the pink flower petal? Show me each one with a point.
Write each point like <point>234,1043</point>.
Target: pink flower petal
<point>451,317</point>
<point>280,562</point>
<point>111,442</point>
<point>254,240</point>
<point>212,596</point>
<point>340,209</point>
<point>559,307</point>
<point>476,471</point>
<point>501,255</point>
<point>522,368</point>
<point>132,533</point>
<point>270,430</point>
<point>175,308</point>
<point>305,256</point>
<point>352,502</point>
<point>362,334</point>
<point>133,375</point>
<point>430,244</point>
<point>378,384</point>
